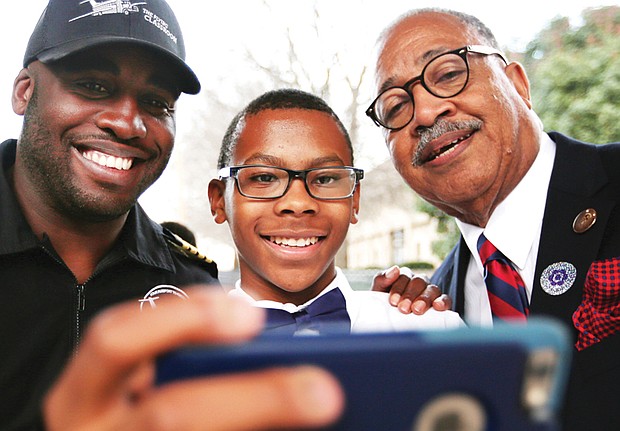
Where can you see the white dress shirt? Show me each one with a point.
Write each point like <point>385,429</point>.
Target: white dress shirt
<point>514,228</point>
<point>369,311</point>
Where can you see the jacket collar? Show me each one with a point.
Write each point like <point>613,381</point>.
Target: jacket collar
<point>15,233</point>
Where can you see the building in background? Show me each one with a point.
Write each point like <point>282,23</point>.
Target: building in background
<point>391,229</point>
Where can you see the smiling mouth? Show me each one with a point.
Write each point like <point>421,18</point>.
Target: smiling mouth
<point>108,161</point>
<point>445,149</point>
<point>294,242</point>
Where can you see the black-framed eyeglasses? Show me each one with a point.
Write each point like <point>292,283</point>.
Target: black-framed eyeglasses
<point>444,76</point>
<point>270,182</point>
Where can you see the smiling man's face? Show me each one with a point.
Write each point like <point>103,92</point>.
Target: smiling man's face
<point>98,131</point>
<point>463,154</point>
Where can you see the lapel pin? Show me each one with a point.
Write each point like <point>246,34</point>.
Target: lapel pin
<point>558,277</point>
<point>584,220</point>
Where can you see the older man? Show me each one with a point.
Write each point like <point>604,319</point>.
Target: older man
<point>538,212</point>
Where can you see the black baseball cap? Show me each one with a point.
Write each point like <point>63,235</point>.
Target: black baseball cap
<point>69,26</point>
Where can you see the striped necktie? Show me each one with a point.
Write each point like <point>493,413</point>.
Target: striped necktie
<point>505,286</point>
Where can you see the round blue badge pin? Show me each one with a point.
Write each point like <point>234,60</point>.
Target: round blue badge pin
<point>558,277</point>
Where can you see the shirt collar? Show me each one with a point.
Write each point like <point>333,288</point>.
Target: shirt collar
<point>143,240</point>
<point>339,282</point>
<point>15,232</point>
<point>524,208</point>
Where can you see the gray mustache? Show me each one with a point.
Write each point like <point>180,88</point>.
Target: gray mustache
<point>441,127</point>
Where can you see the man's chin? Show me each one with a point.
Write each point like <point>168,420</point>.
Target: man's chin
<point>99,211</point>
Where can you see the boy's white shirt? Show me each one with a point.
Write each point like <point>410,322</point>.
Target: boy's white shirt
<point>369,311</point>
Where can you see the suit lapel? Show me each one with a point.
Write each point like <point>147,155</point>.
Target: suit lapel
<point>577,177</point>
<point>450,276</point>
<point>461,263</point>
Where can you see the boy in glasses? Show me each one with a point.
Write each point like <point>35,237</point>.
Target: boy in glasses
<point>288,191</point>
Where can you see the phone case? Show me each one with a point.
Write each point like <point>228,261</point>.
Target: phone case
<point>510,378</point>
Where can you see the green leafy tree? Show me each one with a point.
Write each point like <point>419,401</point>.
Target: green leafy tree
<point>575,74</point>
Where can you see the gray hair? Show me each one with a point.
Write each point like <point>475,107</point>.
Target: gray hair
<point>469,21</point>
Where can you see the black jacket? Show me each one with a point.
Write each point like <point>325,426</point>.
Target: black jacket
<point>43,310</point>
<point>584,176</point>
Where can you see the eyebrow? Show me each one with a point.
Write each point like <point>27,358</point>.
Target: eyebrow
<point>424,59</point>
<point>260,158</point>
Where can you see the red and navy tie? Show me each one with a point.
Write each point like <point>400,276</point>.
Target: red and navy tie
<point>505,286</point>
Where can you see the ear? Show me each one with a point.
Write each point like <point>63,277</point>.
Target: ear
<point>217,189</point>
<point>516,73</point>
<point>23,88</point>
<point>356,205</point>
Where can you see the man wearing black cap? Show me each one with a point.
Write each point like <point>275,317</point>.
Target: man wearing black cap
<point>98,92</point>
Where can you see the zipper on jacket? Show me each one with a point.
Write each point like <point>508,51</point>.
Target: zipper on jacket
<point>80,300</point>
<point>81,306</point>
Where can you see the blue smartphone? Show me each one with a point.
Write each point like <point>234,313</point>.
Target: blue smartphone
<point>509,378</point>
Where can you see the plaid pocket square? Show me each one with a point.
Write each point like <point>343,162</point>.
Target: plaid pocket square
<point>598,315</point>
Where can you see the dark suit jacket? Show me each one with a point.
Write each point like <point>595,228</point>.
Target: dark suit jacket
<point>584,176</point>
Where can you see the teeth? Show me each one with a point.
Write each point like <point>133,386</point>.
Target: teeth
<point>462,138</point>
<point>448,148</point>
<point>294,242</point>
<point>120,163</point>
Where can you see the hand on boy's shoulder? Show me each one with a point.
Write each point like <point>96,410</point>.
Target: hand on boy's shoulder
<point>410,293</point>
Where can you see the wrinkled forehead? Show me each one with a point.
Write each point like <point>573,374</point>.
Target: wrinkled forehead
<point>406,46</point>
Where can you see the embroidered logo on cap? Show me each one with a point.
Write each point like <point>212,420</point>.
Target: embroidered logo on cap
<point>558,277</point>
<point>109,6</point>
<point>126,7</point>
<point>163,289</point>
